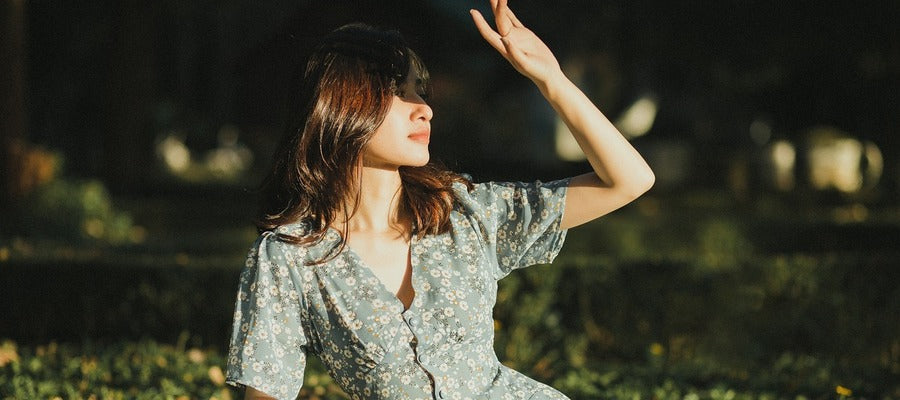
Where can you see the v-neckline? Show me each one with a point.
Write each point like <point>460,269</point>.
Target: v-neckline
<point>363,265</point>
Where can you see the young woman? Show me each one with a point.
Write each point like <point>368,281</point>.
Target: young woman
<point>384,265</point>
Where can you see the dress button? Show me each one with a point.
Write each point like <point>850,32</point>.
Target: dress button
<point>413,321</point>
<point>423,359</point>
<point>441,394</point>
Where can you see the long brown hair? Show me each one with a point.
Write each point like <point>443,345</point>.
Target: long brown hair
<point>346,91</point>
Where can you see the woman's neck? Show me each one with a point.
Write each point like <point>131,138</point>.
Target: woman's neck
<point>379,202</point>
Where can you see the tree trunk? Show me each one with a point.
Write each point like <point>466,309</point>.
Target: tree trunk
<point>13,116</point>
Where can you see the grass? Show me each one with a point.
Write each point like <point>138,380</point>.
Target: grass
<point>148,369</point>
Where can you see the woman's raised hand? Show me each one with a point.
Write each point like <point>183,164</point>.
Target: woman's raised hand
<point>519,45</point>
<point>620,173</point>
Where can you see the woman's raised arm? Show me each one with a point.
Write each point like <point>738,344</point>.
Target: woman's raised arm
<point>620,173</point>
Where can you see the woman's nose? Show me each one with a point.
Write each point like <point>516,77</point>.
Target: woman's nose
<point>424,111</point>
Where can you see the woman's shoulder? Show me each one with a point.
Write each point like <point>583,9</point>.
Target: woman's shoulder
<point>289,239</point>
<point>481,200</point>
<point>300,228</point>
<point>490,191</point>
<point>467,194</point>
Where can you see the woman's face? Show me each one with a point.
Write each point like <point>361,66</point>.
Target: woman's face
<point>402,138</point>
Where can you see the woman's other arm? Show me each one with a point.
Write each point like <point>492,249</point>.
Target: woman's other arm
<point>253,394</point>
<point>620,173</point>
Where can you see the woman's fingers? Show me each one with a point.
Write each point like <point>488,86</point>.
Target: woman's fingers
<point>512,18</point>
<point>504,24</point>
<point>517,44</point>
<point>489,35</point>
<point>504,17</point>
<point>512,40</point>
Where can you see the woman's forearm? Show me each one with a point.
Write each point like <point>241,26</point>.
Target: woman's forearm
<point>614,160</point>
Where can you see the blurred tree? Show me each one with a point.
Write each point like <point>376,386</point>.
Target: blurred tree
<point>12,111</point>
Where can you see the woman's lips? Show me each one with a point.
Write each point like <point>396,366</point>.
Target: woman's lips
<point>421,137</point>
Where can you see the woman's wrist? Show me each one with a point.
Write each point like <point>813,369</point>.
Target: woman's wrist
<point>555,85</point>
<point>552,81</point>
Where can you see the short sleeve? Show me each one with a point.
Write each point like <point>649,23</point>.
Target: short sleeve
<point>268,343</point>
<point>521,221</point>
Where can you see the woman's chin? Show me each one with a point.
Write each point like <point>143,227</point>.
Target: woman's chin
<point>417,158</point>
<point>421,162</point>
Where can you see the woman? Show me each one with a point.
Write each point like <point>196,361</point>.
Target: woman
<point>384,265</point>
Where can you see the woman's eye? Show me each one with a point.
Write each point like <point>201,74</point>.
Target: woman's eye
<point>401,93</point>
<point>408,90</point>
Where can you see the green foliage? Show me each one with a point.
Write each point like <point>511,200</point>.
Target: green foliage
<point>141,370</point>
<point>147,369</point>
<point>76,211</point>
<point>697,299</point>
<point>127,370</point>
<point>689,302</point>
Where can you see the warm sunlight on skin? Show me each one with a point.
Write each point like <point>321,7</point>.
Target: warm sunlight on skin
<point>620,173</point>
<point>401,140</point>
<point>253,394</point>
<point>403,136</point>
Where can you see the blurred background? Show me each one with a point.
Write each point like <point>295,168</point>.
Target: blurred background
<point>763,262</point>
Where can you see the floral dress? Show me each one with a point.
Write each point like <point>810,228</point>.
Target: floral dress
<point>439,348</point>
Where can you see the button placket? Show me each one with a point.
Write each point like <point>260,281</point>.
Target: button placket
<point>419,329</point>
<point>416,327</point>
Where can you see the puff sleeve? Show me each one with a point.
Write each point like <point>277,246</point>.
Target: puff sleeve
<point>520,221</point>
<point>268,343</point>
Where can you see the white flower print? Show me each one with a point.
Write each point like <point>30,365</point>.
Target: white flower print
<point>361,335</point>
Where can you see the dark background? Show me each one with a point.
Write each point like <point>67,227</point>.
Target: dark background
<point>103,81</point>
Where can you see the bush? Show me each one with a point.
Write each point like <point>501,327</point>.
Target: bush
<point>118,370</point>
<point>148,369</point>
<point>76,211</point>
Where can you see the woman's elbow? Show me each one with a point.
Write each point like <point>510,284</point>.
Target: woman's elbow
<point>641,184</point>
<point>648,181</point>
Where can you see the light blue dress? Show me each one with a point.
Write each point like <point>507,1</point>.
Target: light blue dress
<point>442,347</point>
